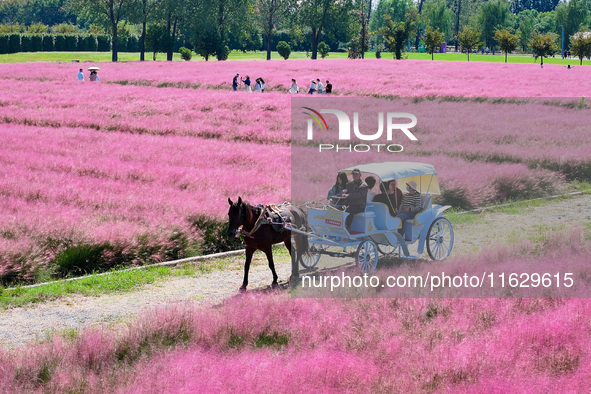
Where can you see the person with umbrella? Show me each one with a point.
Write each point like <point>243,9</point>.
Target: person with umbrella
<point>93,74</point>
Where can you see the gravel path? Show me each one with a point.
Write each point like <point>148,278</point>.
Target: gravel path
<point>23,325</point>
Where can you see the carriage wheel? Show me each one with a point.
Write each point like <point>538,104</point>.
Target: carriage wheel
<point>387,249</point>
<point>310,257</point>
<point>367,256</point>
<point>440,239</point>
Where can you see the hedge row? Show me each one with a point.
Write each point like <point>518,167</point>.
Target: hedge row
<point>13,43</point>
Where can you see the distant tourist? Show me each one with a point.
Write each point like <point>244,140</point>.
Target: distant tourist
<point>235,82</point>
<point>328,87</point>
<point>569,67</point>
<point>257,86</point>
<point>262,83</point>
<point>312,89</point>
<point>294,86</point>
<point>80,75</point>
<point>319,86</point>
<point>93,76</point>
<point>246,84</point>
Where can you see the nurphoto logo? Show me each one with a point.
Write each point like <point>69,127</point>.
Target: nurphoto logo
<point>395,122</point>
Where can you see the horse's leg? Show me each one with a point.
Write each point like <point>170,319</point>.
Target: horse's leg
<point>269,252</point>
<point>287,243</point>
<point>249,253</point>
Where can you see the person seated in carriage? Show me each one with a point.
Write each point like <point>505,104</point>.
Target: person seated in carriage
<point>355,195</point>
<point>371,182</point>
<point>410,205</point>
<point>390,195</point>
<point>339,185</point>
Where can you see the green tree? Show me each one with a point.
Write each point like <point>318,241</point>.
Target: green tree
<point>64,28</point>
<point>206,41</point>
<point>469,39</point>
<point>318,15</point>
<point>109,13</point>
<point>171,13</point>
<point>580,45</point>
<point>283,49</point>
<point>507,41</point>
<point>323,48</point>
<point>433,40</point>
<point>397,9</point>
<point>543,45</point>
<point>571,15</point>
<point>518,6</point>
<point>396,34</point>
<point>222,16</point>
<point>38,28</point>
<point>270,14</point>
<point>186,53</point>
<point>156,39</point>
<point>526,20</point>
<point>141,11</point>
<point>362,15</point>
<point>437,14</point>
<point>491,17</point>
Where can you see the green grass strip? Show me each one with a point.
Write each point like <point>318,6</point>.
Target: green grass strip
<point>25,57</point>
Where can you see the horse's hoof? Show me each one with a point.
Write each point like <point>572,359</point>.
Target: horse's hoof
<point>242,289</point>
<point>274,285</point>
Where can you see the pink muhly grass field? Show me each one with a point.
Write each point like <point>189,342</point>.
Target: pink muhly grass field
<point>147,110</point>
<point>357,77</point>
<point>84,185</point>
<point>271,342</point>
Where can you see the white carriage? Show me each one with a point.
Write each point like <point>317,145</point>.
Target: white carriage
<point>375,231</point>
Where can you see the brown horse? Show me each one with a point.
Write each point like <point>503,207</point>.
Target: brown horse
<point>243,214</point>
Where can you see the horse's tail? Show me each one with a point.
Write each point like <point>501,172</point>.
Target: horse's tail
<point>301,241</point>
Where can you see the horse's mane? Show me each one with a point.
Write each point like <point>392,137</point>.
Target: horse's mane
<point>249,211</point>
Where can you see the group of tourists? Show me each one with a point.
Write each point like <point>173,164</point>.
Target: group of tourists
<point>259,85</point>
<point>92,77</point>
<point>357,193</point>
<point>316,86</point>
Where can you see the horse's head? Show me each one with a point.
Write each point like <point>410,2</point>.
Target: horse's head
<point>236,216</point>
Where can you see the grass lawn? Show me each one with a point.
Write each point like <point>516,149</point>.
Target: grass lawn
<point>25,57</point>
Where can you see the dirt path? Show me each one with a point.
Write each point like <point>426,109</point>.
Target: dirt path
<point>22,325</point>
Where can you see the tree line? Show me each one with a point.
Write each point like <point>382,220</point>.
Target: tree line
<point>212,27</point>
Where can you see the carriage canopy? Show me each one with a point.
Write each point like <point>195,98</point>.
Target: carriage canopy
<point>423,174</point>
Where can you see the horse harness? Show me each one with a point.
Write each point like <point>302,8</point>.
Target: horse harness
<point>279,217</point>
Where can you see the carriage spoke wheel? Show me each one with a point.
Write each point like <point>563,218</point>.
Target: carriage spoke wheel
<point>440,239</point>
<point>310,257</point>
<point>367,257</point>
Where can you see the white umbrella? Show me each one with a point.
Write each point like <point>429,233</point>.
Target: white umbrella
<point>93,68</point>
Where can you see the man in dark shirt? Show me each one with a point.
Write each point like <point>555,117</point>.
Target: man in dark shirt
<point>355,197</point>
<point>235,82</point>
<point>328,87</point>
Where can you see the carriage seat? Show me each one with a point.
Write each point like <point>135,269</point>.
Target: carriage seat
<point>361,222</point>
<point>413,227</point>
<point>426,202</point>
<point>383,219</point>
